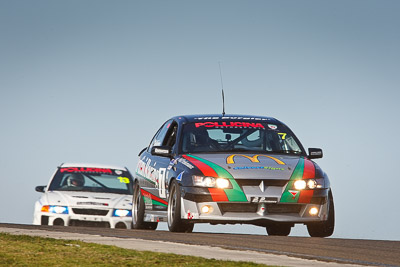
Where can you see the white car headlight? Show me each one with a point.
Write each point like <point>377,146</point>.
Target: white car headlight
<point>122,213</point>
<point>300,184</point>
<point>222,183</point>
<point>55,209</point>
<point>306,184</point>
<point>211,182</point>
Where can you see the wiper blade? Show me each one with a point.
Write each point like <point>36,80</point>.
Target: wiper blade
<point>287,151</point>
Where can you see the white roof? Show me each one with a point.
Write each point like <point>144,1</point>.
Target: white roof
<point>93,165</point>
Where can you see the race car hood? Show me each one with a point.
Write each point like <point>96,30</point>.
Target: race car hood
<point>248,166</point>
<point>91,199</point>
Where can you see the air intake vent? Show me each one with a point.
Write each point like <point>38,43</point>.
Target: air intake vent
<point>90,212</point>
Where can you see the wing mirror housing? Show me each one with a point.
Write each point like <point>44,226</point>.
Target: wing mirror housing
<point>162,151</point>
<point>315,153</point>
<point>40,188</point>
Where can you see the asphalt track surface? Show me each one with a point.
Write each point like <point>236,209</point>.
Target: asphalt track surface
<point>345,251</point>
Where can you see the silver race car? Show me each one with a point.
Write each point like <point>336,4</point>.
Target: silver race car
<point>231,169</point>
<point>86,195</point>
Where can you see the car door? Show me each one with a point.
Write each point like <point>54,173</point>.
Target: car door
<point>152,169</point>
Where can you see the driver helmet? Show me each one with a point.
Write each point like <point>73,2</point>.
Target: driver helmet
<point>75,180</point>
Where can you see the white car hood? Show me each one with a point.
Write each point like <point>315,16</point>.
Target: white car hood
<point>87,199</point>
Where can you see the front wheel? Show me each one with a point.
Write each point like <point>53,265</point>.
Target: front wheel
<point>138,211</point>
<point>326,228</point>
<point>175,222</point>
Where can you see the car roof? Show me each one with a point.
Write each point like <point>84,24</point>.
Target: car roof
<point>241,117</point>
<point>93,165</point>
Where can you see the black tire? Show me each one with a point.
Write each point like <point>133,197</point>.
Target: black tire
<point>175,223</point>
<point>279,229</point>
<point>326,228</point>
<point>138,211</point>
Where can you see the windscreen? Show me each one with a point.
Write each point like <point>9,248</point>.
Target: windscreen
<point>222,136</point>
<point>92,180</point>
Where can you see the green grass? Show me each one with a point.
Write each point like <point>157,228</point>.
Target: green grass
<point>23,250</point>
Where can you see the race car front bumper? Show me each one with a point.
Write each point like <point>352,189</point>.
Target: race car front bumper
<point>260,209</point>
<point>105,219</point>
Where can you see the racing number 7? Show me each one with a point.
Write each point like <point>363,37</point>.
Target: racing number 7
<point>282,135</point>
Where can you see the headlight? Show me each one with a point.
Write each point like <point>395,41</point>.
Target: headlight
<point>307,184</point>
<point>300,184</point>
<point>222,183</point>
<point>55,209</point>
<point>311,184</point>
<point>122,213</point>
<point>211,182</point>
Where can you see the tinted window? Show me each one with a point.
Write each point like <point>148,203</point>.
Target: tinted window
<point>92,180</point>
<point>160,135</point>
<point>220,136</point>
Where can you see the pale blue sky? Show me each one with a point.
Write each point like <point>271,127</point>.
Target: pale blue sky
<point>92,81</point>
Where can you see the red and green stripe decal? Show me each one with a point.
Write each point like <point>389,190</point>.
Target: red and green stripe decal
<point>211,169</point>
<point>154,200</point>
<point>304,169</point>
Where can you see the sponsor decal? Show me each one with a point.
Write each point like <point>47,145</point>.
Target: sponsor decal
<point>191,215</point>
<point>259,168</point>
<point>316,153</point>
<point>148,172</point>
<point>179,178</point>
<point>272,126</point>
<point>161,151</point>
<point>232,118</point>
<point>172,163</point>
<point>264,200</point>
<point>152,199</point>
<point>211,124</point>
<point>118,172</point>
<point>124,180</point>
<point>282,135</point>
<point>185,163</point>
<point>254,159</point>
<point>82,169</point>
<point>294,193</point>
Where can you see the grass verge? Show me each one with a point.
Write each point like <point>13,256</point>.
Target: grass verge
<point>24,250</point>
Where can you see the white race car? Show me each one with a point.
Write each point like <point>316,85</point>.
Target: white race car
<point>86,195</point>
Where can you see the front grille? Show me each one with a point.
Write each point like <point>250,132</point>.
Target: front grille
<point>257,182</point>
<point>90,212</point>
<point>252,208</point>
<point>283,208</point>
<point>237,207</point>
<point>89,224</point>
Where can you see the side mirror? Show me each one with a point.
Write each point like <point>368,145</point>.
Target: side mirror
<point>315,153</point>
<point>40,188</point>
<point>162,151</point>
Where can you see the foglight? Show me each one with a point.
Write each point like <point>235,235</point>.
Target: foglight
<point>300,184</point>
<point>207,209</point>
<point>122,213</point>
<point>313,211</point>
